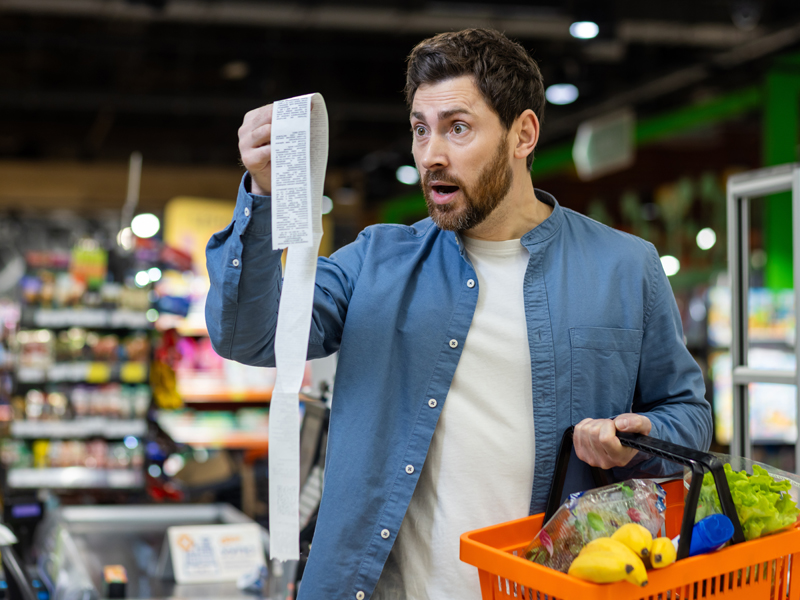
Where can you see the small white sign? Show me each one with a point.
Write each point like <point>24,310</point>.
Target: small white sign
<point>605,145</point>
<point>210,553</point>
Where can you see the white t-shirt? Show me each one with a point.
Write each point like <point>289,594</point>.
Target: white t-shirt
<point>479,468</point>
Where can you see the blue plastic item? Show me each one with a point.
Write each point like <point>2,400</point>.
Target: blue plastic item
<point>710,533</point>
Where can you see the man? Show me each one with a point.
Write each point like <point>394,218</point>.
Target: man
<point>467,342</point>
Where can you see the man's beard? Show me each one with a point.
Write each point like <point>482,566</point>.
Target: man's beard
<point>492,186</point>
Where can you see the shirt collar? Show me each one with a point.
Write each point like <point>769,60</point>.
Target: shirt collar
<point>539,233</point>
<point>550,225</point>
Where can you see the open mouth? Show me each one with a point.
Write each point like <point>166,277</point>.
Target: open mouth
<point>443,193</point>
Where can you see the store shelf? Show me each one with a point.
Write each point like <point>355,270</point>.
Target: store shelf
<point>75,478</point>
<point>216,430</point>
<point>110,429</point>
<point>199,388</point>
<point>244,396</point>
<point>231,441</point>
<point>85,372</point>
<point>94,318</point>
<point>235,383</point>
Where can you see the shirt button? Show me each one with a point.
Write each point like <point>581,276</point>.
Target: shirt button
<point>470,282</point>
<point>236,264</point>
<point>360,596</point>
<point>409,469</point>
<point>385,534</point>
<point>246,212</point>
<point>432,402</point>
<point>454,343</point>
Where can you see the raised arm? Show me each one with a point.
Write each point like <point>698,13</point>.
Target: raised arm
<point>245,272</point>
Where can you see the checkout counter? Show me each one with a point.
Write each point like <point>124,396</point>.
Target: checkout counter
<point>75,543</point>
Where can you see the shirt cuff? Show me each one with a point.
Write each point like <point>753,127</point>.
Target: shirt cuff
<point>253,213</point>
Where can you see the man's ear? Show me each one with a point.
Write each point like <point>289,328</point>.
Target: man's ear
<point>526,129</point>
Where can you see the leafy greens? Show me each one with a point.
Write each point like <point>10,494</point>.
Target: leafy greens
<point>762,504</point>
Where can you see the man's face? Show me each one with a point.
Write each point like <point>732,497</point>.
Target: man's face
<point>461,150</point>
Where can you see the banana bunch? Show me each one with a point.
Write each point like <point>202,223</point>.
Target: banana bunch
<point>622,557</point>
<point>606,560</point>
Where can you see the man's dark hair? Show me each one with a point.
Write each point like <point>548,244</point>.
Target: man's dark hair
<point>504,72</point>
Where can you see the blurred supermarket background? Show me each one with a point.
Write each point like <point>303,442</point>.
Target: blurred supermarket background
<point>118,159</point>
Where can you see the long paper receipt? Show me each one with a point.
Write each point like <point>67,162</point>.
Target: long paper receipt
<point>299,157</point>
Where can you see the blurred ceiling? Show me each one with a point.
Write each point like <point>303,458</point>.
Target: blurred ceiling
<point>96,79</point>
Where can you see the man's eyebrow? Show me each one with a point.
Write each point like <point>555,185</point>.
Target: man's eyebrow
<point>445,114</point>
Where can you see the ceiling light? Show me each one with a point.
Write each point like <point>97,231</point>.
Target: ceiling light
<point>154,273</point>
<point>407,174</point>
<point>561,93</point>
<point>671,265</point>
<point>584,30</point>
<point>145,225</point>
<point>327,205</point>
<point>706,238</point>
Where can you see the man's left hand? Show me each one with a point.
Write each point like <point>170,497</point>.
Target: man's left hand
<point>596,441</point>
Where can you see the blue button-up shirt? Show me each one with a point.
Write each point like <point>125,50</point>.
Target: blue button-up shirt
<point>604,332</point>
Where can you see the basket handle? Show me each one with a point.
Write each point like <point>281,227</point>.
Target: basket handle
<point>698,462</point>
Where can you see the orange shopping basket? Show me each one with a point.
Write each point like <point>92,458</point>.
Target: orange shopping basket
<point>766,568</point>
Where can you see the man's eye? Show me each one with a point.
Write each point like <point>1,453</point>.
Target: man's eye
<point>419,130</point>
<point>458,129</point>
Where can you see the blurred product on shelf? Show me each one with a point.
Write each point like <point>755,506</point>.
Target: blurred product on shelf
<point>771,334</point>
<point>54,281</point>
<point>162,372</point>
<point>42,348</point>
<point>93,454</point>
<point>203,375</point>
<point>111,400</point>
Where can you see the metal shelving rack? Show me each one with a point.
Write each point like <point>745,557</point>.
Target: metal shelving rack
<point>741,188</point>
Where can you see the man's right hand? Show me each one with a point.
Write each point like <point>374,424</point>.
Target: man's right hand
<point>255,148</point>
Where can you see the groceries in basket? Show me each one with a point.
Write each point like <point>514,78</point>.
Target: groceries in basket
<point>709,534</point>
<point>763,499</point>
<point>594,514</point>
<point>606,560</point>
<point>623,556</point>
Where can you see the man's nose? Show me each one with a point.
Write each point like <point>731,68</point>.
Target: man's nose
<point>434,155</point>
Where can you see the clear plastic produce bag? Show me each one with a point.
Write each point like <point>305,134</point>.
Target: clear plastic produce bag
<point>596,513</point>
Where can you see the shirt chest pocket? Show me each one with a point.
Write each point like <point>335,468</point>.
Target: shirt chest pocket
<point>605,362</point>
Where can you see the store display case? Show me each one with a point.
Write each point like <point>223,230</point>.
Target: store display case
<point>747,370</point>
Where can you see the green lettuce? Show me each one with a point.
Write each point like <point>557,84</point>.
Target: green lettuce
<point>762,504</point>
